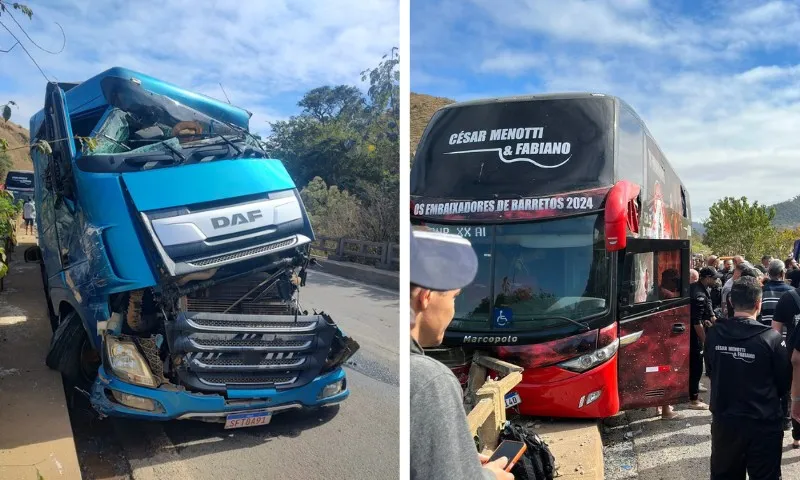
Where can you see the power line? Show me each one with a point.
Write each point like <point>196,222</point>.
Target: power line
<point>63,36</point>
<point>26,50</point>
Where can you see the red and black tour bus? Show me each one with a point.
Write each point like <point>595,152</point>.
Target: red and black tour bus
<point>582,230</point>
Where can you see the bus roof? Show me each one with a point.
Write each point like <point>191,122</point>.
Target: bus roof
<point>87,95</point>
<point>527,98</point>
<point>565,96</point>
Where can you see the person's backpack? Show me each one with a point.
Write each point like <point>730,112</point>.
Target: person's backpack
<point>537,463</point>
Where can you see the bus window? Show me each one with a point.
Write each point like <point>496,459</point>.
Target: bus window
<point>640,274</point>
<point>472,304</point>
<point>669,274</point>
<point>630,152</point>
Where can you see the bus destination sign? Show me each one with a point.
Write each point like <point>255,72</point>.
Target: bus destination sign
<point>512,208</point>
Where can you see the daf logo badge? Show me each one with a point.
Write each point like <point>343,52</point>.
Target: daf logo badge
<point>236,219</point>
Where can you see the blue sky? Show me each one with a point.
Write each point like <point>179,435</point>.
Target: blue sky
<point>266,53</point>
<point>716,81</point>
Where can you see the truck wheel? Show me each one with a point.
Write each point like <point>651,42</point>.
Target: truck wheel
<point>72,353</point>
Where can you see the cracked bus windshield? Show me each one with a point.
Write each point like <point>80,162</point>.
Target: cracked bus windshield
<point>535,273</point>
<point>140,121</point>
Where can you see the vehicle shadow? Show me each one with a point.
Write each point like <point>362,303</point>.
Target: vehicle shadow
<point>111,448</point>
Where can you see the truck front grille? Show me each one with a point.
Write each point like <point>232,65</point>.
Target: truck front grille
<point>219,352</point>
<point>243,254</point>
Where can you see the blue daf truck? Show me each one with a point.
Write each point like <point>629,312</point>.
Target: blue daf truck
<point>172,249</point>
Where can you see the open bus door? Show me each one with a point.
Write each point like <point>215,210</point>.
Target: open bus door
<point>654,325</point>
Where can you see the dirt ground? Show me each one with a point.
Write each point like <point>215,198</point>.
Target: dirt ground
<point>36,436</point>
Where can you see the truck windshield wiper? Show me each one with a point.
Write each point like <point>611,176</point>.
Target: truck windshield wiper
<point>175,151</point>
<point>233,145</point>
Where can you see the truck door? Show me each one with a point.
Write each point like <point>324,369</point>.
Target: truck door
<point>58,200</point>
<point>653,323</point>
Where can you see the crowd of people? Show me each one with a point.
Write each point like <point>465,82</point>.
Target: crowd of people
<point>743,333</point>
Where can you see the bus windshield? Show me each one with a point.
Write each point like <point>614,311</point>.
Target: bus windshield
<point>534,273</point>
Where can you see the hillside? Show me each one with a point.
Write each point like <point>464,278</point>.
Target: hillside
<point>787,213</point>
<point>17,137</point>
<point>422,109</point>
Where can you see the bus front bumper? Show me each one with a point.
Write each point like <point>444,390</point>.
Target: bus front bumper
<point>109,393</point>
<point>592,394</point>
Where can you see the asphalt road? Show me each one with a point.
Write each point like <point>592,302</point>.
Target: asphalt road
<point>641,446</point>
<point>357,439</point>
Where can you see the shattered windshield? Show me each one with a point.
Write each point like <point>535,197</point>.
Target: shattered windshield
<point>141,121</point>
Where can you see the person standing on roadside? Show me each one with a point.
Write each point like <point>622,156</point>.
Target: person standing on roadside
<point>773,290</point>
<point>764,263</point>
<point>749,368</point>
<point>441,444</point>
<point>28,214</point>
<point>701,316</point>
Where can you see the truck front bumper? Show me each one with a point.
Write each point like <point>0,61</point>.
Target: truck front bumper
<point>180,404</point>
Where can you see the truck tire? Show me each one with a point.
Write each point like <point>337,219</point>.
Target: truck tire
<point>72,353</point>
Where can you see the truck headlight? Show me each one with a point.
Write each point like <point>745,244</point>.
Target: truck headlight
<point>591,360</point>
<point>127,363</point>
<point>332,389</point>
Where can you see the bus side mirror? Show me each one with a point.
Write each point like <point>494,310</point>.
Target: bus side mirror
<point>33,254</point>
<point>621,214</point>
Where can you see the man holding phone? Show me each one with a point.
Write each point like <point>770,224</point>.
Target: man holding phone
<point>441,444</point>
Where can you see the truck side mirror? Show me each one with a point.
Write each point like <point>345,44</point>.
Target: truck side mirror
<point>33,254</point>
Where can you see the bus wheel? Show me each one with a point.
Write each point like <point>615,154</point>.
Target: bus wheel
<point>72,354</point>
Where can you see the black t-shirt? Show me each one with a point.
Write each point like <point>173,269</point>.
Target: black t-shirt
<point>787,312</point>
<point>794,276</point>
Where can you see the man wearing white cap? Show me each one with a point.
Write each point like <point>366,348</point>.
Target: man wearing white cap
<point>441,444</point>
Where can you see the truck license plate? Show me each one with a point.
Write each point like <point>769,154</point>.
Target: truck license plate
<point>252,419</point>
<point>512,399</point>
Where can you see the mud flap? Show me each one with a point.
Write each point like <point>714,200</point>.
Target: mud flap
<point>61,336</point>
<point>65,351</point>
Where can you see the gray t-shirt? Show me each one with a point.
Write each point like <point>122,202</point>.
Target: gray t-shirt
<point>441,445</point>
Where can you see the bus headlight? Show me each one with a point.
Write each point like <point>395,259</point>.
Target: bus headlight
<point>591,360</point>
<point>127,363</point>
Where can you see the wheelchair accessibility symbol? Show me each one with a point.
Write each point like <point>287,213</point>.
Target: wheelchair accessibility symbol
<point>503,317</point>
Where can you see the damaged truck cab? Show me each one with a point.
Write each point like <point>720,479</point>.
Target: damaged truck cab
<point>172,250</point>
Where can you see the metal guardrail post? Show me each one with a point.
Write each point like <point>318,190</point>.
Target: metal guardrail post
<point>486,398</point>
<point>386,261</point>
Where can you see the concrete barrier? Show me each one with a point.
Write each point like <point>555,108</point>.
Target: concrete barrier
<point>362,273</point>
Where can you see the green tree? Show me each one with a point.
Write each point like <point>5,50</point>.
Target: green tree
<point>736,227</point>
<point>350,140</point>
<point>6,164</point>
<point>333,212</point>
<point>697,244</point>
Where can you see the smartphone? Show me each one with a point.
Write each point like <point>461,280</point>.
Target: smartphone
<point>511,450</point>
